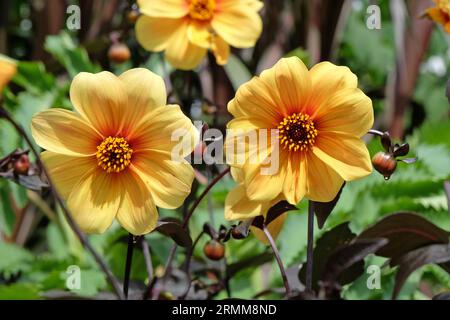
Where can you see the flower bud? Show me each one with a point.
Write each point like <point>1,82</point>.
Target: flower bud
<point>384,163</point>
<point>22,164</point>
<point>119,53</point>
<point>214,250</point>
<point>132,16</point>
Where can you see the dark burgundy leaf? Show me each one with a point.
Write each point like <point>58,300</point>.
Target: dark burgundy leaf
<point>277,210</point>
<point>405,232</point>
<point>402,150</point>
<point>273,213</point>
<point>442,296</point>
<point>324,209</point>
<point>173,228</point>
<point>348,255</point>
<point>325,246</point>
<point>411,261</point>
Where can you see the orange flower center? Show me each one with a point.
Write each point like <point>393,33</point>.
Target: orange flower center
<point>297,132</point>
<point>114,154</point>
<point>444,6</point>
<point>202,9</point>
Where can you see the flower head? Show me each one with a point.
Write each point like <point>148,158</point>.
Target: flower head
<point>113,158</point>
<point>8,69</point>
<point>187,29</point>
<point>441,13</point>
<point>319,116</point>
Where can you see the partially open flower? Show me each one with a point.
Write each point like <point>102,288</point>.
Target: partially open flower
<point>113,158</point>
<point>8,69</point>
<point>318,116</point>
<point>187,29</point>
<point>441,14</point>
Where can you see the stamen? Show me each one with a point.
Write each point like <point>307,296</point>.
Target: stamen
<point>297,132</point>
<point>202,9</point>
<point>114,154</point>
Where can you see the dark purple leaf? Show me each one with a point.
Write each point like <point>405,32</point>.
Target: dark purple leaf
<point>447,91</point>
<point>411,261</point>
<point>250,262</point>
<point>401,151</point>
<point>405,232</point>
<point>324,209</point>
<point>273,213</point>
<point>442,296</point>
<point>325,246</point>
<point>348,255</point>
<point>173,228</point>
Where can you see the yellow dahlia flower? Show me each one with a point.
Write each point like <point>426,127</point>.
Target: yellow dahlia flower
<point>441,13</point>
<point>318,117</point>
<point>8,69</point>
<point>186,29</point>
<point>113,158</point>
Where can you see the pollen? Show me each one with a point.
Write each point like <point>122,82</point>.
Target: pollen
<point>202,10</point>
<point>297,132</point>
<point>114,154</point>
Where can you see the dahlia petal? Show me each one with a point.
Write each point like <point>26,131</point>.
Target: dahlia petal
<point>344,153</point>
<point>199,35</point>
<point>437,15</point>
<point>163,8</point>
<point>64,132</point>
<point>295,183</point>
<point>239,206</point>
<point>221,50</point>
<point>66,171</point>
<point>181,53</point>
<point>95,200</point>
<point>164,129</point>
<point>8,69</point>
<point>154,34</point>
<point>100,98</point>
<point>239,24</point>
<point>327,79</point>
<point>293,83</point>
<point>146,91</point>
<point>349,111</point>
<point>137,212</point>
<point>168,181</point>
<point>323,182</point>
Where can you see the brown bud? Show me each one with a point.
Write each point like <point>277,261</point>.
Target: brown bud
<point>384,163</point>
<point>132,15</point>
<point>214,250</point>
<point>22,164</point>
<point>119,53</point>
<point>237,233</point>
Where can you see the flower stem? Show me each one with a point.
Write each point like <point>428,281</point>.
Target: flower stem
<point>188,265</point>
<point>310,247</point>
<point>188,216</point>
<point>83,239</point>
<point>126,278</point>
<point>278,258</point>
<point>147,258</point>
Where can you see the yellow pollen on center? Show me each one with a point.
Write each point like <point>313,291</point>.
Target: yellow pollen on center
<point>297,132</point>
<point>202,9</point>
<point>114,154</point>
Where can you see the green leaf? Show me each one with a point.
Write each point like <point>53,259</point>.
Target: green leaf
<point>19,291</point>
<point>237,72</point>
<point>18,259</point>
<point>33,77</point>
<point>74,58</point>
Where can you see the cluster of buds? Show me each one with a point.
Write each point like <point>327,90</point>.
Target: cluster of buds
<point>385,162</point>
